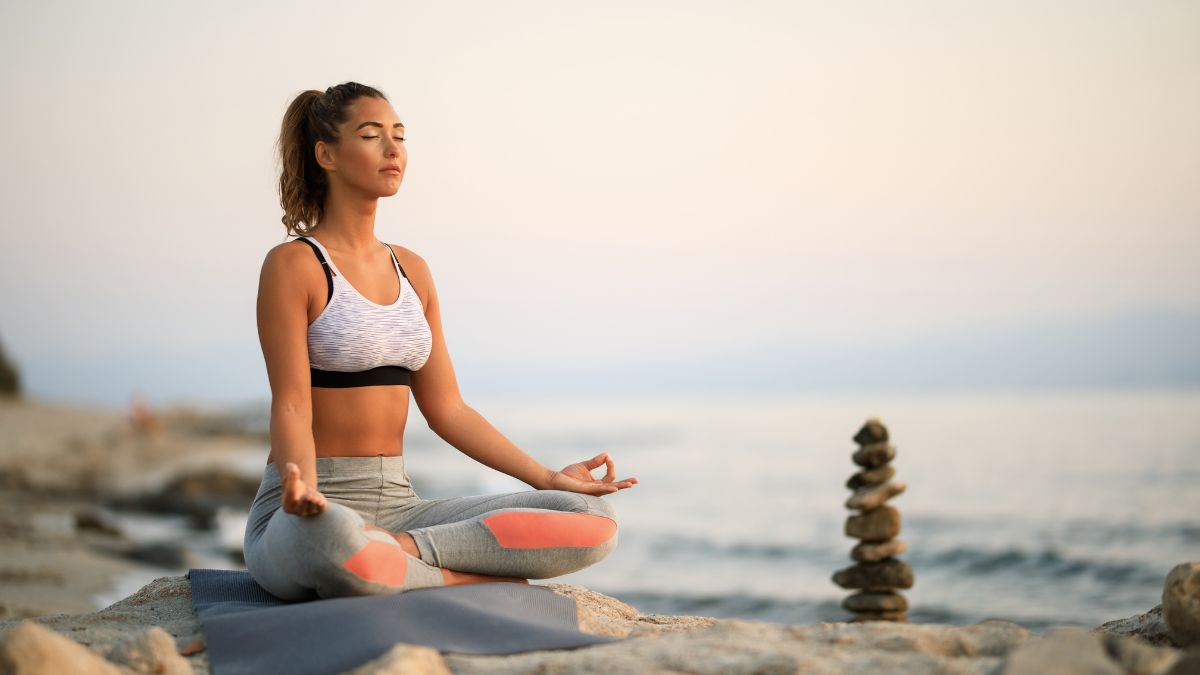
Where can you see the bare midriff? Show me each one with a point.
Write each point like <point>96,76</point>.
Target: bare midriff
<point>358,421</point>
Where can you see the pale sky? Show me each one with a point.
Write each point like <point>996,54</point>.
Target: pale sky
<point>601,182</point>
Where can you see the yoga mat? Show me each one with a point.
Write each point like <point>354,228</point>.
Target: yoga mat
<point>248,630</point>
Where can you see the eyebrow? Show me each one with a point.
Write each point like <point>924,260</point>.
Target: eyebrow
<point>377,124</point>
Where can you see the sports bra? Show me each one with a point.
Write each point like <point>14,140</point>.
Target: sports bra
<point>354,342</point>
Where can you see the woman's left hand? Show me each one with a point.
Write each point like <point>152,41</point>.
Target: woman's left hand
<point>578,477</point>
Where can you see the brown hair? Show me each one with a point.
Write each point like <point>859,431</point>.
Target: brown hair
<point>312,116</point>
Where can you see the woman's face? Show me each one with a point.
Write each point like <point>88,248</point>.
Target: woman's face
<point>370,147</point>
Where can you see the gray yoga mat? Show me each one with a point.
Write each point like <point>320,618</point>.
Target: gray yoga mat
<point>248,630</point>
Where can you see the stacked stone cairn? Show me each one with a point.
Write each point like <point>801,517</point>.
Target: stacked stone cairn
<point>877,573</point>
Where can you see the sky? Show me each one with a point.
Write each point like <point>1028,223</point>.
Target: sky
<point>601,189</point>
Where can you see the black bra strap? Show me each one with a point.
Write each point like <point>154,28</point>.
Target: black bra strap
<point>389,248</point>
<point>324,266</point>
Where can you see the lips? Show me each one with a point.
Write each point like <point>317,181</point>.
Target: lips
<point>392,168</point>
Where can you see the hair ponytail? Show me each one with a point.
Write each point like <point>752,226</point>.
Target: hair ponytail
<point>312,116</point>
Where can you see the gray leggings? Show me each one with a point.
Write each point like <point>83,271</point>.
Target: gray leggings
<point>534,534</point>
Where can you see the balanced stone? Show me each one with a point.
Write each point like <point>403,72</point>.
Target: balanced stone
<point>871,552</point>
<point>875,454</point>
<point>879,616</point>
<point>872,497</point>
<point>886,574</point>
<point>875,601</point>
<point>879,525</point>
<point>871,432</point>
<point>874,476</point>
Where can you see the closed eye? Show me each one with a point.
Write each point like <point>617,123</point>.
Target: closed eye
<point>399,138</point>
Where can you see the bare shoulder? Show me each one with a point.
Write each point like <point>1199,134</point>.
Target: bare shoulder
<point>417,270</point>
<point>287,255</point>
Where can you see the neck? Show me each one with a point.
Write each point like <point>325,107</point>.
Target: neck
<point>348,223</point>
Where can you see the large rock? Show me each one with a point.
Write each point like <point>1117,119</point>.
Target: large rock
<point>1181,603</point>
<point>1065,651</point>
<point>1148,627</point>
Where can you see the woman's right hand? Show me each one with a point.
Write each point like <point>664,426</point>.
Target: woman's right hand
<point>298,498</point>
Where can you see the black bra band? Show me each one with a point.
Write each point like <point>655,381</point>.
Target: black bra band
<point>383,375</point>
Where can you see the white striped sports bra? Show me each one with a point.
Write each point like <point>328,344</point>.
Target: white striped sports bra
<point>354,342</point>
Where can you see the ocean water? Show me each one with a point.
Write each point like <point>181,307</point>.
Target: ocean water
<point>1043,508</point>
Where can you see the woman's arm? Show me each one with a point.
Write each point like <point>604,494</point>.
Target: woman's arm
<point>282,331</point>
<point>435,389</point>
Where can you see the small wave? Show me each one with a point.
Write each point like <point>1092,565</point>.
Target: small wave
<point>1045,562</point>
<point>674,546</point>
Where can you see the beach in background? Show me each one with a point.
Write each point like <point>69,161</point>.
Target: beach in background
<point>1038,507</point>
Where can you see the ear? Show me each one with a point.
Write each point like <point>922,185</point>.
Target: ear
<point>324,156</point>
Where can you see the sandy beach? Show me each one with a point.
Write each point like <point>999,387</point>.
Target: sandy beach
<point>61,468</point>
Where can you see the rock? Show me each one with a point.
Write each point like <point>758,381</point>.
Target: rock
<point>871,432</point>
<point>159,554</point>
<point>875,476</point>
<point>874,601</point>
<point>883,575</point>
<point>1150,627</point>
<point>867,551</point>
<point>200,495</point>
<point>1137,657</point>
<point>659,643</point>
<point>405,659</point>
<point>1063,651</point>
<point>1188,664</point>
<point>876,454</point>
<point>32,648</point>
<point>150,651</point>
<point>879,525</point>
<point>95,519</point>
<point>1181,603</point>
<point>872,497</point>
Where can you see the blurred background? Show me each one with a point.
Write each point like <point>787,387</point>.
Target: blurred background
<point>710,238</point>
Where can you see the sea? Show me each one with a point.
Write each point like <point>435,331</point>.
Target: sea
<point>1040,507</point>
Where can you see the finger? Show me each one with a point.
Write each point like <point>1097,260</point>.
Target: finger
<point>611,471</point>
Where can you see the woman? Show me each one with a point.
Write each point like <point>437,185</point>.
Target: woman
<point>336,514</point>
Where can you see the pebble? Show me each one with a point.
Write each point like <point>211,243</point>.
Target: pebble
<point>875,454</point>
<point>867,551</point>
<point>875,601</point>
<point>872,497</point>
<point>874,476</point>
<point>879,525</point>
<point>886,575</point>
<point>872,431</point>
